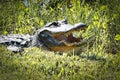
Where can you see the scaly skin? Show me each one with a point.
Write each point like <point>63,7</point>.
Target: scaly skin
<point>54,36</point>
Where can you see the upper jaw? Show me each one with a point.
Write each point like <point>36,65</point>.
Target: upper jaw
<point>63,27</point>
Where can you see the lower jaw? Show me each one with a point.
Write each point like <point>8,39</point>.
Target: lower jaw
<point>63,48</point>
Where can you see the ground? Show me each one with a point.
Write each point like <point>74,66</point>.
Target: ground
<point>36,64</point>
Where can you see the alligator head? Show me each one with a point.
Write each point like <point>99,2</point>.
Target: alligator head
<point>57,36</point>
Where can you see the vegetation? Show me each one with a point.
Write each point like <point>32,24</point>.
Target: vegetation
<point>99,60</point>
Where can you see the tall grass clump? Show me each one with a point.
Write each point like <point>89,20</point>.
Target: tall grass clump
<point>27,16</point>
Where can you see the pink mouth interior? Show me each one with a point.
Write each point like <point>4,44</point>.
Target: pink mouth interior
<point>69,39</point>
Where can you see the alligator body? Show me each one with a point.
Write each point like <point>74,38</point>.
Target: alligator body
<point>54,36</point>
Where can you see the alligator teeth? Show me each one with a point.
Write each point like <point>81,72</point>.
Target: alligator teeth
<point>74,36</point>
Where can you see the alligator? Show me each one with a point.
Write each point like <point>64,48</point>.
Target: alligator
<point>54,36</point>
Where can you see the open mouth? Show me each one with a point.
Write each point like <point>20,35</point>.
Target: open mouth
<point>70,40</point>
<point>68,36</point>
<point>61,37</point>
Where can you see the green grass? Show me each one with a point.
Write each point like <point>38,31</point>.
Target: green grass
<point>35,64</point>
<point>98,60</point>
